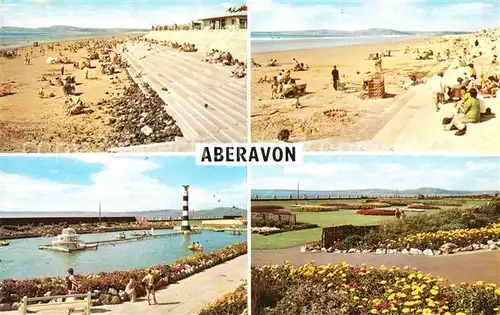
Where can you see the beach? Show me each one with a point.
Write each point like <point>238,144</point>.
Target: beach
<point>140,106</point>
<point>335,120</point>
<point>29,123</point>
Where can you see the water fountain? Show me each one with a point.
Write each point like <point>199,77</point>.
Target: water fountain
<point>67,242</point>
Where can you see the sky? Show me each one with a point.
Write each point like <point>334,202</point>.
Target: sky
<point>381,172</point>
<point>403,15</point>
<point>80,182</point>
<point>109,13</point>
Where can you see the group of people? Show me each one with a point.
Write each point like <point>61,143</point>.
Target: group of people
<point>225,58</point>
<point>149,283</point>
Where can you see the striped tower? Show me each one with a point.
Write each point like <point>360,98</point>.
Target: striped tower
<point>185,210</point>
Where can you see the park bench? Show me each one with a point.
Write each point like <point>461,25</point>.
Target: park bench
<point>84,304</point>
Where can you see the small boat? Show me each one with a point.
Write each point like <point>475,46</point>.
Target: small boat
<point>195,247</point>
<point>143,233</point>
<point>4,243</point>
<point>121,236</point>
<point>219,230</point>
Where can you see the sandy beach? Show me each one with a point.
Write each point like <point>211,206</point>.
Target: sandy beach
<point>334,120</point>
<point>144,105</point>
<point>29,123</point>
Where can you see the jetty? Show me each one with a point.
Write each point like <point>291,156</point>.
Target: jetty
<point>97,244</point>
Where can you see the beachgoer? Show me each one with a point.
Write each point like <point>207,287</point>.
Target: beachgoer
<point>274,87</point>
<point>467,111</point>
<point>438,89</point>
<point>86,70</point>
<point>494,60</point>
<point>149,280</point>
<point>335,77</point>
<point>472,71</point>
<point>476,43</point>
<point>130,290</point>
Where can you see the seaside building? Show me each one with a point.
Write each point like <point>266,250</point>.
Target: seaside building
<point>225,22</point>
<point>232,21</point>
<point>185,210</point>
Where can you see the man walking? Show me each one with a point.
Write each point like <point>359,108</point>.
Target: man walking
<point>335,75</point>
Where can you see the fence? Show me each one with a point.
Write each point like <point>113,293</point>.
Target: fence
<point>331,235</point>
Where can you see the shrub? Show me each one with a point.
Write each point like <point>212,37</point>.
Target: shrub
<point>422,206</point>
<point>377,204</point>
<point>265,208</point>
<point>376,212</point>
<point>345,289</point>
<point>314,208</point>
<point>351,241</point>
<point>228,304</point>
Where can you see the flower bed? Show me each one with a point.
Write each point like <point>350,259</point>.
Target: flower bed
<point>228,304</point>
<point>267,230</point>
<point>109,286</point>
<point>376,212</point>
<point>458,237</point>
<point>265,208</point>
<point>340,206</point>
<point>422,206</point>
<point>377,204</point>
<point>351,290</point>
<point>313,208</point>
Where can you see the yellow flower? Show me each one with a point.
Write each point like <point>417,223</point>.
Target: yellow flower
<point>406,310</point>
<point>374,311</point>
<point>383,282</point>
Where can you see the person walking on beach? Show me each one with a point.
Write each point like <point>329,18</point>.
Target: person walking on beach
<point>149,280</point>
<point>438,89</point>
<point>335,77</point>
<point>86,72</point>
<point>62,68</point>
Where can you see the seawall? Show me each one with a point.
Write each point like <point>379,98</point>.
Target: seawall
<point>233,41</point>
<point>68,220</point>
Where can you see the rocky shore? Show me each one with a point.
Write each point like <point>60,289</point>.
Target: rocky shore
<point>138,119</point>
<point>50,230</point>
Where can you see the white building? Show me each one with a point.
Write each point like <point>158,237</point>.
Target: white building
<point>225,22</point>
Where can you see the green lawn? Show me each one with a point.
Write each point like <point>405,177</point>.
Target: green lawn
<point>324,219</point>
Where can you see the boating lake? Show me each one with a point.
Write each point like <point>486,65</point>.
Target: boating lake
<point>22,259</point>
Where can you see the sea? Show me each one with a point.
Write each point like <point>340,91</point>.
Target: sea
<point>10,38</point>
<point>22,259</point>
<point>276,41</point>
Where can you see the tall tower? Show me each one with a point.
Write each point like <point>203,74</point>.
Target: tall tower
<point>185,210</point>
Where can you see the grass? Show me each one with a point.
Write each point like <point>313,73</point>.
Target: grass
<point>326,219</point>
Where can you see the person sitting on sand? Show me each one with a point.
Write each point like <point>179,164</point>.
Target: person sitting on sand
<point>284,135</point>
<point>274,88</point>
<point>288,88</point>
<point>438,89</point>
<point>130,289</point>
<point>448,54</point>
<point>494,60</point>
<point>467,111</point>
<point>490,85</point>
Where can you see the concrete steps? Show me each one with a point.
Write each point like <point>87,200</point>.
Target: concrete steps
<point>192,83</point>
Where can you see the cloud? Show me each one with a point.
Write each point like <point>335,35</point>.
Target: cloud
<point>318,169</point>
<point>402,173</point>
<point>405,15</point>
<point>122,185</point>
<point>106,14</point>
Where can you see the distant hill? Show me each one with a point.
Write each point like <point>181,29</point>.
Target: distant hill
<point>216,212</point>
<point>67,28</point>
<point>368,192</point>
<point>367,32</point>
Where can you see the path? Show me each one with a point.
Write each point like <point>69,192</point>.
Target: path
<point>414,126</point>
<point>188,296</point>
<point>207,103</point>
<point>470,267</point>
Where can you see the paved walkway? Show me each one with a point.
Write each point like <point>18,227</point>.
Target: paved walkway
<point>470,267</point>
<point>188,296</point>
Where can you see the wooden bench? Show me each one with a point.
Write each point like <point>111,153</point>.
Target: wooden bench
<point>84,304</point>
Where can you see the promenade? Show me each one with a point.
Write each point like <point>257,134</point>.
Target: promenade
<point>188,296</point>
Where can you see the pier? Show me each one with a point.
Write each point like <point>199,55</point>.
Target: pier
<point>96,244</point>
